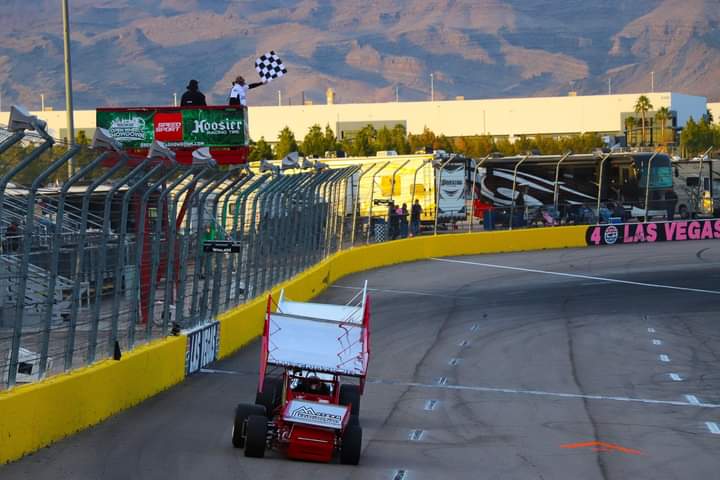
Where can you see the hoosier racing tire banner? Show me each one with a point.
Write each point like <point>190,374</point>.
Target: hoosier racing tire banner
<point>675,231</point>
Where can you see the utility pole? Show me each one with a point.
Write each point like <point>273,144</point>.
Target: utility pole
<point>175,99</point>
<point>609,86</point>
<point>68,81</point>
<point>397,93</point>
<point>652,82</point>
<point>279,98</point>
<point>432,87</point>
<point>42,102</point>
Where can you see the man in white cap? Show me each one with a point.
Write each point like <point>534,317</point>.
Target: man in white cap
<point>238,94</point>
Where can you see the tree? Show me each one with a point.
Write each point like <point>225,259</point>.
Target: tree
<point>629,127</point>
<point>331,143</point>
<point>286,143</point>
<point>420,142</point>
<point>642,106</point>
<point>662,116</point>
<point>260,151</point>
<point>384,140</point>
<point>363,145</point>
<point>400,140</point>
<point>314,142</point>
<point>697,137</point>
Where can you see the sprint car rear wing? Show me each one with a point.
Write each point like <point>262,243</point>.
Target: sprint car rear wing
<point>319,337</point>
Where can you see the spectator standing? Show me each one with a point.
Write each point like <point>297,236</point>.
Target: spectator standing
<point>394,221</point>
<point>193,97</point>
<point>416,211</point>
<point>404,221</point>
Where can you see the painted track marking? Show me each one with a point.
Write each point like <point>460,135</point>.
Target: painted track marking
<point>399,475</point>
<point>577,275</point>
<point>453,362</point>
<point>713,427</point>
<point>540,393</point>
<point>441,381</point>
<point>675,377</point>
<point>664,358</point>
<point>656,341</point>
<point>693,399</point>
<point>651,330</point>
<point>431,404</point>
<point>416,435</point>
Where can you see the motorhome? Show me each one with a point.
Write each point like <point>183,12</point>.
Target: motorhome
<point>697,185</point>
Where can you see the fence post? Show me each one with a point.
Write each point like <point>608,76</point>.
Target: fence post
<point>137,294</point>
<point>237,261</point>
<point>209,271</point>
<point>121,261</point>
<point>156,254</point>
<point>25,263</point>
<point>92,343</point>
<point>174,226</point>
<point>198,272</point>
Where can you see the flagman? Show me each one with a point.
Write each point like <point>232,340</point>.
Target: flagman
<point>238,94</point>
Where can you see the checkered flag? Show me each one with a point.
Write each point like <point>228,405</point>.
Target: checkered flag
<point>270,67</point>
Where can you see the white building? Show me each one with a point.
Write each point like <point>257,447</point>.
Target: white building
<point>714,108</point>
<point>505,117</point>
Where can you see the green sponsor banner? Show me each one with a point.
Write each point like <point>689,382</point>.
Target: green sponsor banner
<point>218,128</point>
<point>176,128</point>
<point>132,129</point>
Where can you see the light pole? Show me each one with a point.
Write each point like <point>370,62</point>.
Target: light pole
<point>174,99</point>
<point>609,86</point>
<point>68,81</point>
<point>432,87</point>
<point>652,82</point>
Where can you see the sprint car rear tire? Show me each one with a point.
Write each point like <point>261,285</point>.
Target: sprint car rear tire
<point>242,412</point>
<point>270,396</point>
<point>351,445</point>
<point>256,436</point>
<point>350,395</point>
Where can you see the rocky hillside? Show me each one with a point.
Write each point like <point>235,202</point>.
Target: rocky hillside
<point>138,52</point>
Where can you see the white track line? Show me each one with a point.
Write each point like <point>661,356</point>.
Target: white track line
<point>403,292</point>
<point>693,399</point>
<point>576,275</point>
<point>675,377</point>
<point>541,393</point>
<point>656,341</point>
<point>664,358</point>
<point>713,427</point>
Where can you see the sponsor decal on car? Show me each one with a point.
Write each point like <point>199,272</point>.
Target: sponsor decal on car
<point>313,413</point>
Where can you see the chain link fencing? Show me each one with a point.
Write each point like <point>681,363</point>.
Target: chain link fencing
<point>122,252</point>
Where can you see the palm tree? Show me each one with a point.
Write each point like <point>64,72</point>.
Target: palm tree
<point>662,116</point>
<point>629,126</point>
<point>643,106</point>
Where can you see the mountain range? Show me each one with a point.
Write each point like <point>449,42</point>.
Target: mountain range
<point>140,52</point>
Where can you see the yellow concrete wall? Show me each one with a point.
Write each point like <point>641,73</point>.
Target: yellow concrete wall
<point>36,415</point>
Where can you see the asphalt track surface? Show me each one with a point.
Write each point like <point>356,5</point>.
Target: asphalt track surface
<point>527,369</point>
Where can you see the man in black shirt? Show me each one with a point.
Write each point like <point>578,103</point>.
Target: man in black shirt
<point>193,97</point>
<point>415,212</point>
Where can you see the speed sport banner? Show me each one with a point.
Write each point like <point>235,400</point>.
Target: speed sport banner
<point>676,231</point>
